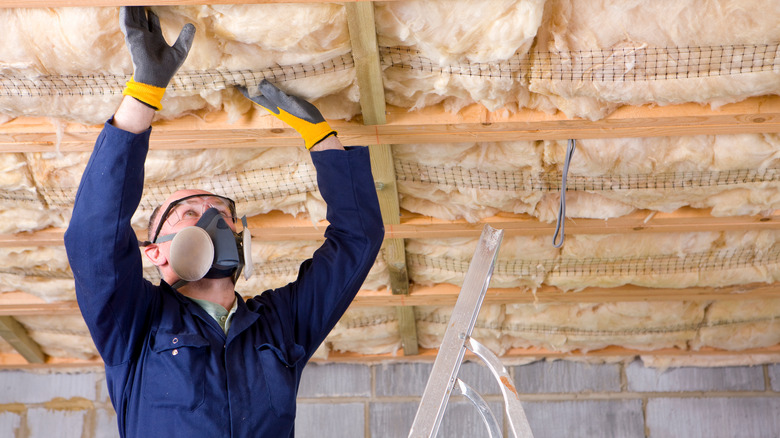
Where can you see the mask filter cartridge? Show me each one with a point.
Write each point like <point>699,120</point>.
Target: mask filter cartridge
<point>192,253</point>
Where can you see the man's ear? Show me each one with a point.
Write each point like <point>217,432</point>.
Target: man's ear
<point>154,254</point>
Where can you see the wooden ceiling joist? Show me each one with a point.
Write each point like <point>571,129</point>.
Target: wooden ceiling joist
<point>446,295</point>
<point>525,354</point>
<point>277,226</point>
<point>429,125</point>
<point>117,3</point>
<point>22,304</point>
<point>15,361</point>
<point>17,336</point>
<point>362,31</point>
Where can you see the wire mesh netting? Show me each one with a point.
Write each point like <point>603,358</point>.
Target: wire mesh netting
<point>471,178</point>
<point>664,264</point>
<point>262,184</point>
<point>108,84</point>
<point>605,65</point>
<point>550,329</point>
<point>601,65</point>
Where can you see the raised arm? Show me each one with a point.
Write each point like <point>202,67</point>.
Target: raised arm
<point>328,282</point>
<point>100,242</point>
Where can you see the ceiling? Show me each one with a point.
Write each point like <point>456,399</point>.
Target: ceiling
<point>670,246</point>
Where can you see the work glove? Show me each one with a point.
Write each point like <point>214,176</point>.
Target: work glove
<point>296,112</point>
<point>154,61</point>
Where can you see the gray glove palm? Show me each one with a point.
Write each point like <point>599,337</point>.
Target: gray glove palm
<point>296,112</point>
<point>154,61</point>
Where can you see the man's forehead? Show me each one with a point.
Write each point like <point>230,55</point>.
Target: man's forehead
<point>204,199</point>
<point>183,194</point>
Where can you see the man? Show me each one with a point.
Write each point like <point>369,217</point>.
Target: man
<point>197,360</point>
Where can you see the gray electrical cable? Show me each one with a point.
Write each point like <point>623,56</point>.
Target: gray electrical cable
<point>559,225</point>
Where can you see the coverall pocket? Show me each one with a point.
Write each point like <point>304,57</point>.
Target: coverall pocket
<point>280,377</point>
<point>175,370</point>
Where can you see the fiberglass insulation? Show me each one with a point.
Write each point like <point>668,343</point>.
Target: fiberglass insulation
<point>635,27</point>
<point>730,174</point>
<point>662,260</point>
<point>230,41</point>
<point>500,56</point>
<point>454,53</point>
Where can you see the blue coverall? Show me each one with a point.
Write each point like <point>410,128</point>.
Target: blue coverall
<point>171,371</point>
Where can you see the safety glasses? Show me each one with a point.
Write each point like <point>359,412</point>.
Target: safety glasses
<point>192,207</point>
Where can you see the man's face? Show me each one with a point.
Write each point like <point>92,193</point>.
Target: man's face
<point>185,208</point>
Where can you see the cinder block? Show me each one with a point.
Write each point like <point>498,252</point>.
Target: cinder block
<point>736,417</point>
<point>105,424</point>
<point>562,376</point>
<point>335,380</point>
<point>391,420</point>
<point>478,376</point>
<point>644,379</point>
<point>9,424</point>
<point>461,419</point>
<point>401,379</point>
<point>23,387</point>
<point>774,376</point>
<point>45,423</point>
<point>409,379</point>
<point>337,420</point>
<point>103,396</point>
<point>586,419</point>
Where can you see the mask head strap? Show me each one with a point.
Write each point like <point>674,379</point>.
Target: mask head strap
<point>164,216</point>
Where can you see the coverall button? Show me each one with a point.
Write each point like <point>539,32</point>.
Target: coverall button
<point>175,352</point>
<point>175,340</point>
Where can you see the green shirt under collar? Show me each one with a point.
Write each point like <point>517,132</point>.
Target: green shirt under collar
<point>219,313</point>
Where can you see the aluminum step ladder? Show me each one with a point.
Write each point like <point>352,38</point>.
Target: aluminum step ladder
<point>444,375</point>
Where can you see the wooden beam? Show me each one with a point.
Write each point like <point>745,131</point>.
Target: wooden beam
<point>445,294</point>
<point>429,125</point>
<point>429,354</point>
<point>683,220</point>
<point>15,361</point>
<point>20,304</point>
<point>116,3</point>
<point>17,336</point>
<point>277,226</point>
<point>365,52</point>
<point>394,248</point>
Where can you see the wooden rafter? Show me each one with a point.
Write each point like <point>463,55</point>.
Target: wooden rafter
<point>429,125</point>
<point>365,52</point>
<point>362,30</point>
<point>117,3</point>
<point>15,361</point>
<point>429,354</point>
<point>17,336</point>
<point>446,295</point>
<point>277,226</point>
<point>22,304</point>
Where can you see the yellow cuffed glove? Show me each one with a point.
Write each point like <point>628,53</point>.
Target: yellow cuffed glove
<point>296,112</point>
<point>154,61</point>
<point>148,94</point>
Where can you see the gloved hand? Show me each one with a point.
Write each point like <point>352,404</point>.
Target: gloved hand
<point>296,112</point>
<point>154,61</point>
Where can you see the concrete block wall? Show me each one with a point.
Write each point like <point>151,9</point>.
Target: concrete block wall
<point>561,399</point>
<point>55,405</point>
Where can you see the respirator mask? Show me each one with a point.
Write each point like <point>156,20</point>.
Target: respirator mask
<point>209,248</point>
